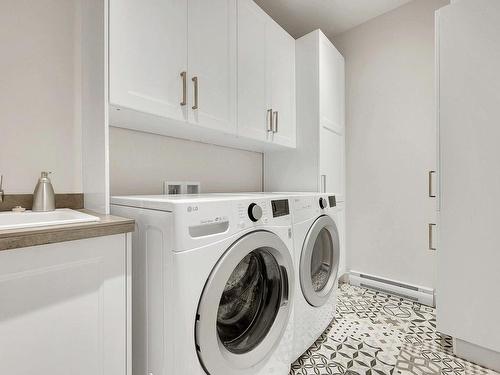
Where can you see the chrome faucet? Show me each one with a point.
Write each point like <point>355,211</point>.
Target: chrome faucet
<point>1,189</point>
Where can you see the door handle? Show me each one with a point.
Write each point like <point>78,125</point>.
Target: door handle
<point>184,88</point>
<point>195,82</point>
<point>431,240</point>
<point>284,286</point>
<point>323,183</point>
<point>269,120</point>
<point>431,194</point>
<point>275,123</point>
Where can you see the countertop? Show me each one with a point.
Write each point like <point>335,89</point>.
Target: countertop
<point>24,237</point>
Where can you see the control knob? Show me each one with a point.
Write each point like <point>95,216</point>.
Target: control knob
<point>254,212</point>
<point>323,203</point>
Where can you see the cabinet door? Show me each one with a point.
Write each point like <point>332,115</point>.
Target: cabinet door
<point>212,61</point>
<point>64,306</point>
<point>147,53</point>
<point>332,86</point>
<point>331,161</point>
<point>253,93</point>
<point>281,77</point>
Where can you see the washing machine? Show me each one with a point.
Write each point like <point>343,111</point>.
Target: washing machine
<point>213,284</point>
<point>316,261</point>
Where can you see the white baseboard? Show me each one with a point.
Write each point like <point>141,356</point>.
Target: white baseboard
<point>476,354</point>
<point>415,293</point>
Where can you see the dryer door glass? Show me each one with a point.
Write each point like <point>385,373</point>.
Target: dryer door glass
<point>319,261</point>
<point>322,260</point>
<point>250,302</point>
<point>244,311</point>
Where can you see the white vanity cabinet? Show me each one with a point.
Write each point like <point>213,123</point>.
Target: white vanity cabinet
<point>65,308</point>
<point>266,77</point>
<point>173,59</point>
<point>318,163</point>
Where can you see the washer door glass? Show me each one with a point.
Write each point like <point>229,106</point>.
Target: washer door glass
<point>319,261</point>
<point>250,302</point>
<point>244,308</point>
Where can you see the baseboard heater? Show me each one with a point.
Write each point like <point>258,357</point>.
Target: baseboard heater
<point>415,293</point>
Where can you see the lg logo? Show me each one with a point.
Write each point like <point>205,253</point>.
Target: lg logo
<point>192,208</point>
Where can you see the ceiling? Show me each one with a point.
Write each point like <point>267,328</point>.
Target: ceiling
<point>333,17</point>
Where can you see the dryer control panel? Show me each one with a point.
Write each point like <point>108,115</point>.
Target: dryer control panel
<point>332,200</point>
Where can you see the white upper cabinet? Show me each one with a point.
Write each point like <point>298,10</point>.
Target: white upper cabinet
<point>254,96</point>
<point>147,54</point>
<point>212,63</point>
<point>331,85</point>
<point>219,71</point>
<point>281,77</point>
<point>266,77</point>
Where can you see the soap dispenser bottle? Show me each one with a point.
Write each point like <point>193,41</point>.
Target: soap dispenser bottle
<point>43,197</point>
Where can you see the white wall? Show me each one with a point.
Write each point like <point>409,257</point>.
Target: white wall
<point>39,85</point>
<point>139,162</point>
<point>391,142</point>
<point>40,116</point>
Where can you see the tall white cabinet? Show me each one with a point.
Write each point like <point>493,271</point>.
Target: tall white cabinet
<point>468,52</point>
<point>318,162</point>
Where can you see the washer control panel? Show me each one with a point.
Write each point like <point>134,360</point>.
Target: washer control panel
<point>262,212</point>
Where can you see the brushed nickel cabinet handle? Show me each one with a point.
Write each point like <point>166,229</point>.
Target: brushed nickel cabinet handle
<point>184,88</point>
<point>269,120</point>
<point>195,81</point>
<point>275,124</point>
<point>431,194</point>
<point>431,241</point>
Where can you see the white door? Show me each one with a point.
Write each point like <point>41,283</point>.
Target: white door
<point>469,118</point>
<point>254,102</point>
<point>147,54</point>
<point>64,308</point>
<point>281,77</point>
<point>332,86</point>
<point>212,63</point>
<point>331,161</point>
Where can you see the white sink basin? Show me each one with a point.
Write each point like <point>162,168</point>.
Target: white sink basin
<point>30,219</point>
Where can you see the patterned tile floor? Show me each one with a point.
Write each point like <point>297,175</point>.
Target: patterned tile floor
<point>380,334</point>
